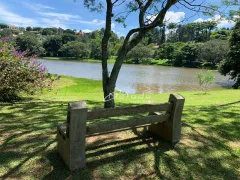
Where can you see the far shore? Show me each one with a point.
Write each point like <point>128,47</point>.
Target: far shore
<point>160,62</point>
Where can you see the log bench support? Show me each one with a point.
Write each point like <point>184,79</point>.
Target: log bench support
<point>72,134</point>
<point>170,130</point>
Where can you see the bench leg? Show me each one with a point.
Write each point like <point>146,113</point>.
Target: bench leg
<point>170,130</point>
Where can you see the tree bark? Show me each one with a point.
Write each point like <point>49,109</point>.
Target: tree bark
<point>107,90</point>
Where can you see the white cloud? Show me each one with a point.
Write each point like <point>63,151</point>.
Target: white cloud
<point>12,18</point>
<point>61,16</point>
<point>170,17</point>
<point>36,6</point>
<point>98,22</point>
<point>174,17</point>
<point>86,30</point>
<point>93,22</point>
<point>221,21</point>
<point>113,25</point>
<point>52,23</point>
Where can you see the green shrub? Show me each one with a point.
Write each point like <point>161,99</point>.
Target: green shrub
<point>20,74</point>
<point>205,80</point>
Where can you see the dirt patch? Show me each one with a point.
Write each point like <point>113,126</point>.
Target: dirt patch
<point>234,144</point>
<point>105,138</point>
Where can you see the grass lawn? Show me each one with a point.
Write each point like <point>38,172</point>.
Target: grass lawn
<point>209,148</point>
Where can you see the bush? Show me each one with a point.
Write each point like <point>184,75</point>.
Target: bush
<point>205,79</point>
<point>20,74</point>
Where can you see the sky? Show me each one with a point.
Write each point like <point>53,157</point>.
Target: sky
<point>73,15</point>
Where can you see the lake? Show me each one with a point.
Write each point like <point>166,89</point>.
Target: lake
<point>140,78</point>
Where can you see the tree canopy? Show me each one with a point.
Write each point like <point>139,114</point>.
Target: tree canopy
<point>231,65</point>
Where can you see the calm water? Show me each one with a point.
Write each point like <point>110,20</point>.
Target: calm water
<point>140,78</point>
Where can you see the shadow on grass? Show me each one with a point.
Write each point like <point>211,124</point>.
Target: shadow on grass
<point>28,146</point>
<point>120,152</point>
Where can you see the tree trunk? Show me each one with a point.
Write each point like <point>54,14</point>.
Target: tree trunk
<point>109,101</point>
<point>107,90</point>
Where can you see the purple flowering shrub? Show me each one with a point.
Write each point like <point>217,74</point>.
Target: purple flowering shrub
<point>21,74</point>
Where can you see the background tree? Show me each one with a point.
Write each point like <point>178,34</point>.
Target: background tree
<point>96,50</point>
<point>30,42</point>
<point>187,55</point>
<point>2,26</point>
<point>172,27</point>
<point>231,65</point>
<point>167,51</point>
<point>140,54</point>
<point>52,45</point>
<point>66,37</point>
<point>74,49</point>
<point>69,31</point>
<point>196,31</point>
<point>28,28</point>
<point>21,29</point>
<point>213,51</point>
<point>49,31</point>
<point>36,28</point>
<point>223,34</point>
<point>5,32</point>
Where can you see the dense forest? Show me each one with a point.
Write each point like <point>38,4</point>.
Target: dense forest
<point>198,44</point>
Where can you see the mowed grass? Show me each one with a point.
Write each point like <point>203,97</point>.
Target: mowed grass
<point>209,148</point>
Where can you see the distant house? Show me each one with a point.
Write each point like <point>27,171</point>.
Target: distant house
<point>80,33</point>
<point>60,30</point>
<point>155,47</point>
<point>87,33</point>
<point>13,27</point>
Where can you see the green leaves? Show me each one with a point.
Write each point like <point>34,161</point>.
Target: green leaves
<point>231,66</point>
<point>93,5</point>
<point>121,20</point>
<point>205,79</point>
<point>20,74</point>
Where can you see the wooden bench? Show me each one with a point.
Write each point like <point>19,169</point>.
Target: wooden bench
<point>72,134</point>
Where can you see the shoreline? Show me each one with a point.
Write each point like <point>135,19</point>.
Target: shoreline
<point>112,60</point>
